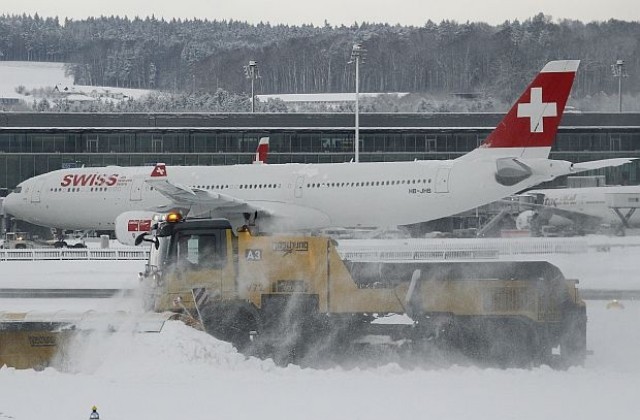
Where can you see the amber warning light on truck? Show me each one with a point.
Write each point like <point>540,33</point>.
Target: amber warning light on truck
<point>174,217</point>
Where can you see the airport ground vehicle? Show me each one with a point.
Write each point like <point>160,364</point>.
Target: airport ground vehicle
<point>293,297</point>
<point>24,240</point>
<point>18,240</point>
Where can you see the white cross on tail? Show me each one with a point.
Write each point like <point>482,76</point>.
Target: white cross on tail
<point>536,110</point>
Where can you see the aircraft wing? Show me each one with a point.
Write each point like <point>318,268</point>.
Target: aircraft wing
<point>199,200</point>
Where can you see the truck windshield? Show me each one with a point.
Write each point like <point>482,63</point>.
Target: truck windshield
<point>200,250</point>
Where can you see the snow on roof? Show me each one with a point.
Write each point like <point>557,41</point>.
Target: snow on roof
<point>108,90</point>
<point>8,95</point>
<point>78,97</point>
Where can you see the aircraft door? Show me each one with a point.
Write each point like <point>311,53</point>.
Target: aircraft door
<point>136,189</point>
<point>442,180</point>
<point>37,191</point>
<point>299,186</point>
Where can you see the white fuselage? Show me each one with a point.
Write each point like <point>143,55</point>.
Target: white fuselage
<point>297,196</point>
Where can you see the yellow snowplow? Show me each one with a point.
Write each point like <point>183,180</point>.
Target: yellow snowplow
<point>287,296</point>
<point>290,297</point>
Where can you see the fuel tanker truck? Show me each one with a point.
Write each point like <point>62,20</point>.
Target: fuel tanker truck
<point>293,298</point>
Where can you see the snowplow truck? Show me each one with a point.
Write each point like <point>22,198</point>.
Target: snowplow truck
<point>294,297</point>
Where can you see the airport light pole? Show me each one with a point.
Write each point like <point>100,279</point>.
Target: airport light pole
<point>618,71</point>
<point>357,56</point>
<point>251,72</point>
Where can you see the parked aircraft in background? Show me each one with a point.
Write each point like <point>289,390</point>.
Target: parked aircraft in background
<point>585,209</point>
<point>262,151</point>
<point>282,197</point>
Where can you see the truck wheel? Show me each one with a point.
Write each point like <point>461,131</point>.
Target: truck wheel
<point>231,322</point>
<point>513,343</point>
<point>573,341</point>
<point>281,340</point>
<point>542,348</point>
<point>246,327</point>
<point>287,328</point>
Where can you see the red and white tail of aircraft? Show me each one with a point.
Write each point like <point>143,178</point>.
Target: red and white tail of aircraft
<point>529,129</point>
<point>513,158</point>
<point>262,152</point>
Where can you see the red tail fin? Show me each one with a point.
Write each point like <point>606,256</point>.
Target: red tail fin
<point>533,120</point>
<point>159,170</point>
<point>262,151</point>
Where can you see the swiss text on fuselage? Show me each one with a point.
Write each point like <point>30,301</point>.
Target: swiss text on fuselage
<point>89,180</point>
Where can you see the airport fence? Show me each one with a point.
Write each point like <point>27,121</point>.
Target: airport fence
<point>448,249</point>
<point>431,249</point>
<point>37,254</point>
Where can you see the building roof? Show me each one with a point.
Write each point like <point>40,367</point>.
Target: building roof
<point>297,121</point>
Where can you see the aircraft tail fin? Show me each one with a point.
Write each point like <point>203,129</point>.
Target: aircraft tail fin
<point>262,152</point>
<point>529,128</point>
<point>160,170</point>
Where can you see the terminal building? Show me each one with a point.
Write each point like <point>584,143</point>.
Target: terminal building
<point>35,143</point>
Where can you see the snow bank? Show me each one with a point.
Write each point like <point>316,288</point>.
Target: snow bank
<point>184,373</point>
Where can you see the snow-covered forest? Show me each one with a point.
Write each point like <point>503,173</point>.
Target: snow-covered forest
<point>207,57</point>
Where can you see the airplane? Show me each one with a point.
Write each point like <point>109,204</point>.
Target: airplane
<point>586,208</point>
<point>290,197</point>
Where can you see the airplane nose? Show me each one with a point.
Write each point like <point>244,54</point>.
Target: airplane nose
<point>9,204</point>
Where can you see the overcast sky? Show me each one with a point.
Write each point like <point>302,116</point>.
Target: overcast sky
<point>336,12</point>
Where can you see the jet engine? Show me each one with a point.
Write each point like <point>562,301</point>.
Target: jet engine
<point>131,224</point>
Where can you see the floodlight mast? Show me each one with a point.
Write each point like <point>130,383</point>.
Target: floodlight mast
<point>619,72</point>
<point>357,56</point>
<point>251,72</point>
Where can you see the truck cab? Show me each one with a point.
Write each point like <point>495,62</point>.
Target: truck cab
<point>188,255</point>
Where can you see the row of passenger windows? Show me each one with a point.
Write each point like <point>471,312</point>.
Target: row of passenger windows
<point>273,186</point>
<point>318,185</point>
<point>210,187</point>
<point>243,186</point>
<point>77,189</point>
<point>369,183</point>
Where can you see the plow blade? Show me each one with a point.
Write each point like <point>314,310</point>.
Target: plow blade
<point>31,340</point>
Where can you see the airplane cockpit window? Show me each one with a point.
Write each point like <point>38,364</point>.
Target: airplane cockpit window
<point>201,251</point>
<point>18,189</point>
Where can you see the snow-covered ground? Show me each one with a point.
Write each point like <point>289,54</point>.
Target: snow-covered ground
<point>183,373</point>
<point>31,75</point>
<point>70,274</point>
<point>40,75</point>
